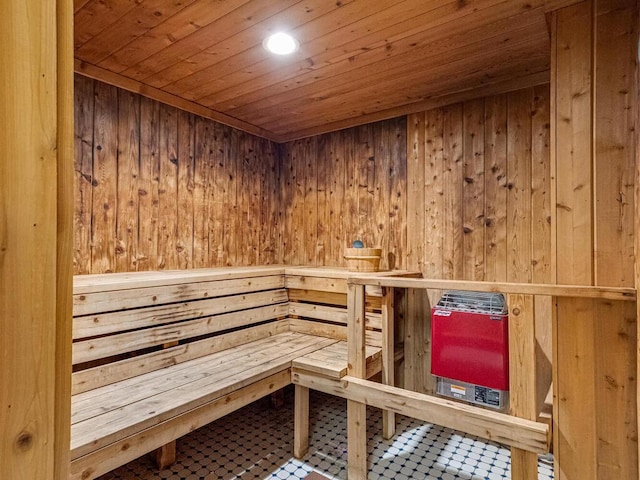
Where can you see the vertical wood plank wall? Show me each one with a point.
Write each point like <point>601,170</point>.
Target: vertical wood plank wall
<point>159,188</point>
<point>594,53</point>
<point>343,186</point>
<point>480,204</point>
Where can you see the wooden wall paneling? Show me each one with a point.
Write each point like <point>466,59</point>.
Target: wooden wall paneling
<point>128,146</point>
<point>314,150</point>
<point>574,147</point>
<point>336,230</point>
<point>243,186</point>
<point>594,81</point>
<point>149,173</point>
<point>473,220</point>
<point>218,169</point>
<point>576,446</point>
<point>397,180</point>
<point>83,168</point>
<point>167,188</point>
<point>365,158</point>
<point>298,183</point>
<point>541,271</point>
<point>269,222</point>
<point>433,198</point>
<point>186,185</point>
<point>417,234</point>
<point>616,47</point>
<point>324,179</point>
<point>104,205</point>
<point>496,188</point>
<point>352,190</point>
<point>381,190</point>
<point>519,186</point>
<point>287,199</point>
<point>452,191</point>
<point>614,140</point>
<point>232,172</point>
<point>203,136</point>
<point>257,147</point>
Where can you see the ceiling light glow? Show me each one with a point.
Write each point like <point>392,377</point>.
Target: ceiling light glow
<point>281,44</point>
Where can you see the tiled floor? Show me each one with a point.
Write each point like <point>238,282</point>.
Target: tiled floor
<point>256,443</point>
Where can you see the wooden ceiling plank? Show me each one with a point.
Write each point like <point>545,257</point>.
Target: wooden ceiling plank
<point>312,32</point>
<point>430,43</point>
<point>244,50</point>
<point>193,18</point>
<point>346,106</point>
<point>125,83</point>
<point>138,20</point>
<point>79,4</point>
<point>423,64</point>
<point>331,49</point>
<point>240,19</point>
<point>511,84</point>
<point>94,16</point>
<point>378,93</point>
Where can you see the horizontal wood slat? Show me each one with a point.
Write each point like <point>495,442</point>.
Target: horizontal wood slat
<point>92,303</point>
<point>120,321</point>
<point>112,345</point>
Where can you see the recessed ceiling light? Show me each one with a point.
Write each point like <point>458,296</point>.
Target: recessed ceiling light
<point>281,44</point>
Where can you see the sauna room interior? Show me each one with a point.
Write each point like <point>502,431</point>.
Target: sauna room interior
<point>218,261</point>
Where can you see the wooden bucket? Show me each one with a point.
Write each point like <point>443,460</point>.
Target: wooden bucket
<point>363,259</point>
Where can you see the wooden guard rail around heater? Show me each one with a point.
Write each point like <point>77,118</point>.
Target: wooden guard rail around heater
<point>519,430</point>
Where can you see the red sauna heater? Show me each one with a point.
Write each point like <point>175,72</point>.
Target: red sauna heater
<point>470,348</point>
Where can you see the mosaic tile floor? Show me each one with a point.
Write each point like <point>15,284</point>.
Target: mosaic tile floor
<point>256,443</point>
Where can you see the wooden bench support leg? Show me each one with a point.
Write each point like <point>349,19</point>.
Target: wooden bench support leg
<point>388,358</point>
<point>301,422</point>
<point>165,456</point>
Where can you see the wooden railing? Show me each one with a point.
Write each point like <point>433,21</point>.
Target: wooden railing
<point>519,430</point>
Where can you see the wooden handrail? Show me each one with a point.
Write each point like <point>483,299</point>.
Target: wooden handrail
<point>573,291</point>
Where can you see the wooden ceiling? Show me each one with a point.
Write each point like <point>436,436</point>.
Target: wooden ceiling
<point>359,60</point>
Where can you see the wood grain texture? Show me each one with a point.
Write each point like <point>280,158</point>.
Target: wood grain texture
<point>595,154</point>
<point>210,60</point>
<point>29,196</point>
<point>345,186</point>
<point>158,188</point>
<point>480,184</point>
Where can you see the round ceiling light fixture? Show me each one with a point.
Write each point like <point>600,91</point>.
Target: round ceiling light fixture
<point>281,43</point>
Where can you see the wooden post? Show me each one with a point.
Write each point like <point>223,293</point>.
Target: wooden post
<point>64,255</point>
<point>356,367</point>
<point>35,228</point>
<point>522,377</point>
<point>301,422</point>
<point>388,357</point>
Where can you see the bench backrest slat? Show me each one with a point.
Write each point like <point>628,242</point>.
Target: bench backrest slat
<point>120,321</point>
<point>111,345</point>
<point>136,297</point>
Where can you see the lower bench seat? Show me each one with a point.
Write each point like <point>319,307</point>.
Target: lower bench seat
<point>111,413</point>
<point>157,355</point>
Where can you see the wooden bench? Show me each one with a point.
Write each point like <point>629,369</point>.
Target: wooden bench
<point>158,354</point>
